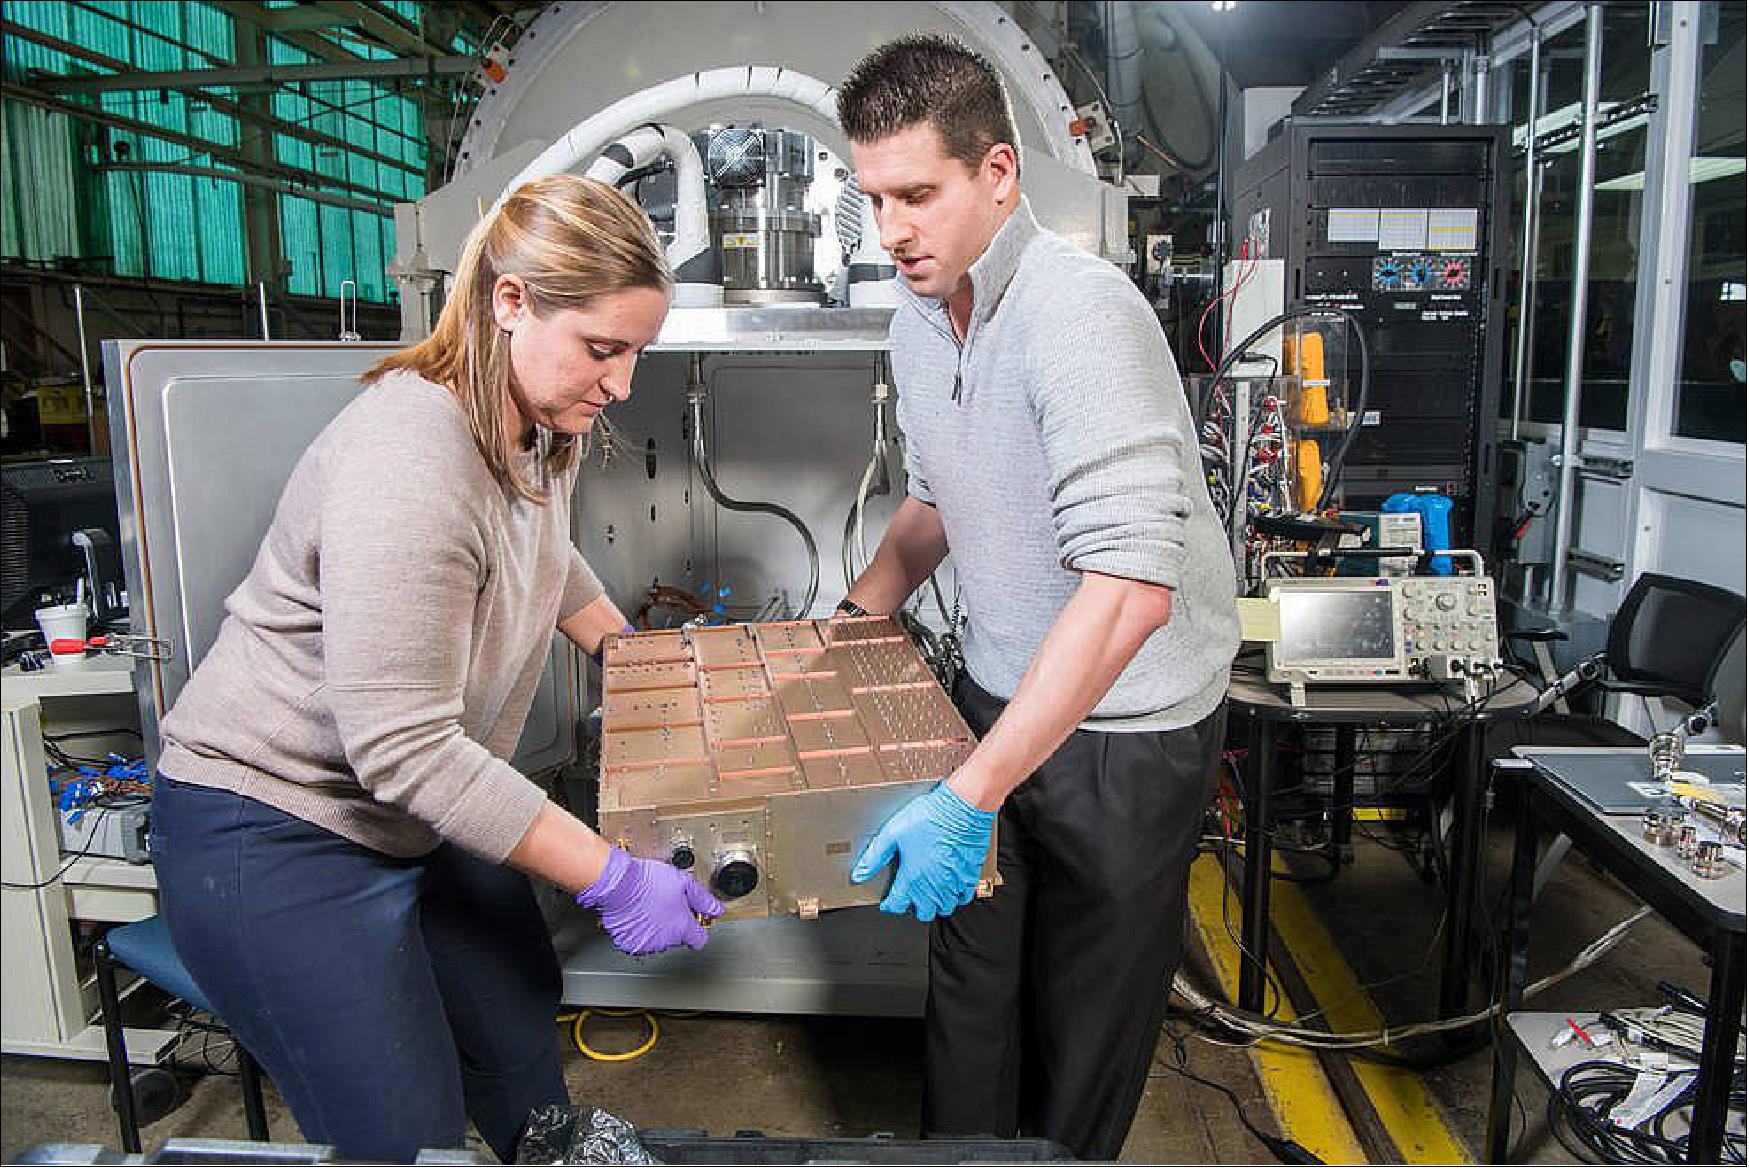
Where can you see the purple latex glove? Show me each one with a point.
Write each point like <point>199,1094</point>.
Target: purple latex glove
<point>647,906</point>
<point>597,655</point>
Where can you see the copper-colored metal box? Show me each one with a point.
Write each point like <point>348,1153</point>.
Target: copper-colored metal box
<point>763,758</point>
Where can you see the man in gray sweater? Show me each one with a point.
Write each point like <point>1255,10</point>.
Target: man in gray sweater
<point>1052,452</point>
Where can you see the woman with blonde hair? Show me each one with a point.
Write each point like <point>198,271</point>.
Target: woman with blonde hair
<point>342,848</point>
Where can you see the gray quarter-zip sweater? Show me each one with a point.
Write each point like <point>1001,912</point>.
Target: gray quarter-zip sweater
<point>1058,440</point>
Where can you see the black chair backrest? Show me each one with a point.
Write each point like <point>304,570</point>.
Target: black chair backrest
<point>1674,634</point>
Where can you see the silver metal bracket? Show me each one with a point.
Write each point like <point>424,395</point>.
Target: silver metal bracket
<point>1605,467</point>
<point>1591,564</point>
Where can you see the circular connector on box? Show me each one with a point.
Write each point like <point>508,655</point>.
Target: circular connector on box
<point>736,874</point>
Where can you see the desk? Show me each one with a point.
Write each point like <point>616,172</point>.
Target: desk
<point>48,1002</point>
<point>1708,912</point>
<point>1348,708</point>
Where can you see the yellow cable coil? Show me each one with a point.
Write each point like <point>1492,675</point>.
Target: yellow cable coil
<point>577,1018</point>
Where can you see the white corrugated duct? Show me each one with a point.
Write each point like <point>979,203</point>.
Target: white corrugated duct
<point>698,281</point>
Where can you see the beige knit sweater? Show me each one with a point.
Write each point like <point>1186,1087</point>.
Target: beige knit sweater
<point>377,665</point>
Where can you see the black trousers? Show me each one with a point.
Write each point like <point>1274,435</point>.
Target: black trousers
<point>1046,1000</point>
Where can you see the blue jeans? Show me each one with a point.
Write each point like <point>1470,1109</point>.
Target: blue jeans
<point>389,999</point>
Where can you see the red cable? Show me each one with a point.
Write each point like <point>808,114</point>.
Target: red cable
<point>1245,274</point>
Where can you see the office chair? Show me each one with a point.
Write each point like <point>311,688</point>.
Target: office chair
<point>1667,640</point>
<point>145,948</point>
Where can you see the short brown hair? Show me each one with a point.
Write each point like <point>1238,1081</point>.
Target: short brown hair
<point>572,240</point>
<point>928,77</point>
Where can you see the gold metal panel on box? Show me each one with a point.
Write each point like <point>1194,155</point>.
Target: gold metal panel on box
<point>846,769</point>
<point>813,696</point>
<point>918,713</point>
<point>844,629</point>
<point>720,685</point>
<point>708,839</point>
<point>652,787</point>
<point>724,645</point>
<point>785,663</point>
<point>923,761</point>
<point>633,710</point>
<point>647,676</point>
<point>866,664</point>
<point>743,754</point>
<point>740,785</point>
<point>828,734</point>
<point>819,835</point>
<point>768,755</point>
<point>676,744</point>
<point>742,718</point>
<point>644,648</point>
<point>779,636</point>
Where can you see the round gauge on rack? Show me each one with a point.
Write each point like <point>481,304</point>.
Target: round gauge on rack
<point>1386,273</point>
<point>1419,275</point>
<point>1454,274</point>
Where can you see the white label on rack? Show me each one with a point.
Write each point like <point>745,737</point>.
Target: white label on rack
<point>1403,229</point>
<point>1353,225</point>
<point>1451,230</point>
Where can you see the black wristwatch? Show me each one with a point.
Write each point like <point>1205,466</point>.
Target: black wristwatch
<point>850,608</point>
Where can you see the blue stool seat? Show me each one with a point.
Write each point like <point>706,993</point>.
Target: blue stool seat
<point>145,948</point>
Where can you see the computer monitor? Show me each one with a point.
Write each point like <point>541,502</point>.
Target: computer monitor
<point>43,504</point>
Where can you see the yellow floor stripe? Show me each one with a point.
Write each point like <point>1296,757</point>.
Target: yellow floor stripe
<point>1299,1093</point>
<point>1408,1112</point>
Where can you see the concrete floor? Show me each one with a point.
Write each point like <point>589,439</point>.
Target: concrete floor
<point>788,1076</point>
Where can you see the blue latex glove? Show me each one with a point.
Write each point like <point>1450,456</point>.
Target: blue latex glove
<point>941,841</point>
<point>647,906</point>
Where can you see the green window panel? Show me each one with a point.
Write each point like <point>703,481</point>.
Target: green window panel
<point>64,196</point>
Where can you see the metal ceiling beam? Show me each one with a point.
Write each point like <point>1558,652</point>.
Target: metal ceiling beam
<point>390,30</point>
<point>358,69</point>
<point>222,104</point>
<point>271,21</point>
<point>253,180</point>
<point>1413,24</point>
<point>292,175</point>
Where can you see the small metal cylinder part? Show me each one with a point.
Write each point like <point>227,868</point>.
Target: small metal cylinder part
<point>1685,841</point>
<point>1709,860</point>
<point>1667,751</point>
<point>1660,827</point>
